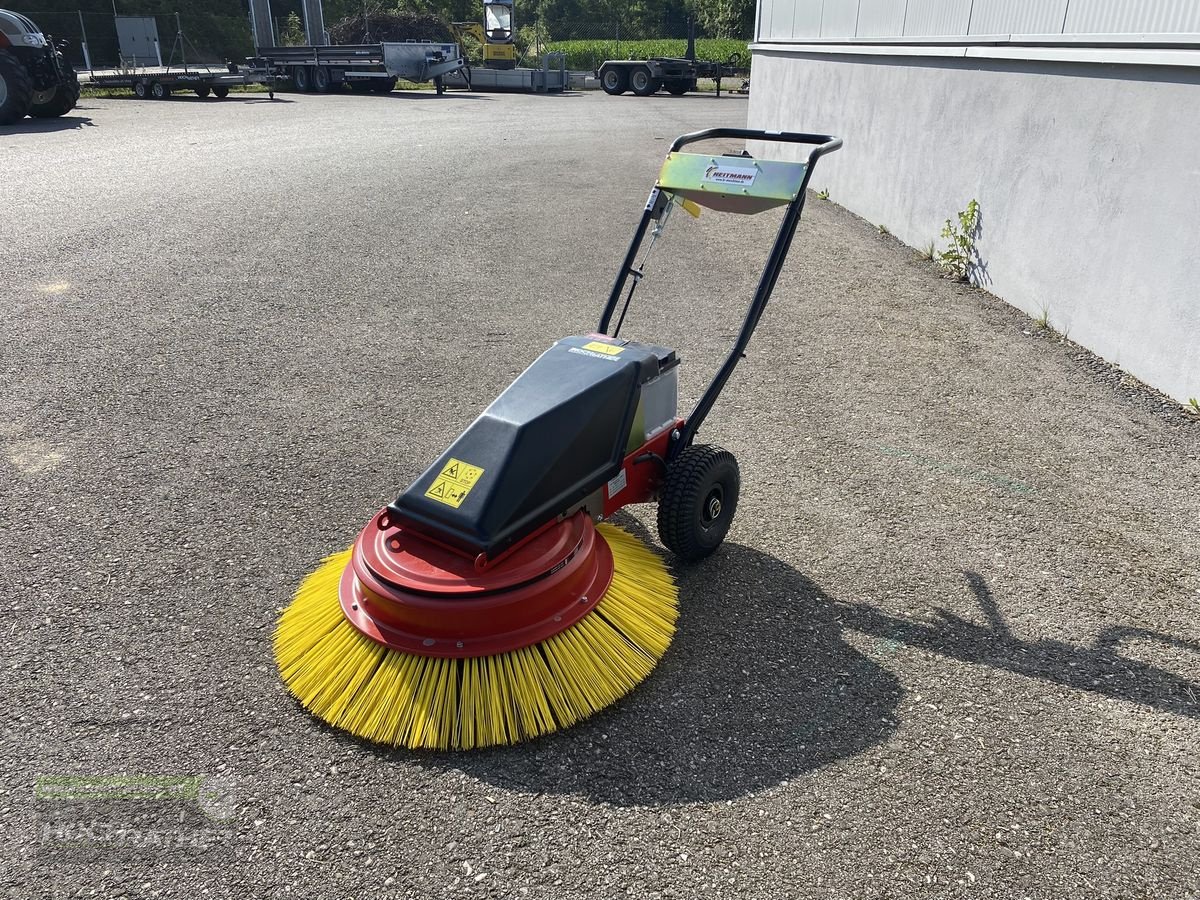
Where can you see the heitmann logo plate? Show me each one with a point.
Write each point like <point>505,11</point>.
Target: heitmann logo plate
<point>736,176</point>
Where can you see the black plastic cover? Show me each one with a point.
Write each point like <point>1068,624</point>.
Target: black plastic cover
<point>553,437</point>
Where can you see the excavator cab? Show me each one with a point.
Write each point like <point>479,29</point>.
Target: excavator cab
<point>499,50</point>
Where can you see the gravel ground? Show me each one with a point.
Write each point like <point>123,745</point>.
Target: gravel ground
<point>950,648</point>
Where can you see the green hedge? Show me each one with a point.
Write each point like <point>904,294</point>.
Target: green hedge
<point>588,55</point>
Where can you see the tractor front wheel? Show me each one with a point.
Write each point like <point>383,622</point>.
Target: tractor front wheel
<point>62,98</point>
<point>698,502</point>
<point>16,89</point>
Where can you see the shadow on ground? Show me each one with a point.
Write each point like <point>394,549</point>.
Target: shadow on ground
<point>60,123</point>
<point>759,687</point>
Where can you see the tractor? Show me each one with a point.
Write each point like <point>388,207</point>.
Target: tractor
<point>35,78</point>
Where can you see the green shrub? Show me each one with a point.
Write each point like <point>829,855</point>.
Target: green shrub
<point>588,55</point>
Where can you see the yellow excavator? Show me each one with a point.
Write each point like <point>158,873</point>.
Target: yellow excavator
<point>495,35</point>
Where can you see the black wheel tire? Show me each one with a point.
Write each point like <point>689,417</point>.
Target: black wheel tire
<point>642,82</point>
<point>358,86</point>
<point>220,91</point>
<point>699,501</point>
<point>16,89</point>
<point>159,91</point>
<point>677,88</point>
<point>302,79</point>
<point>66,95</point>
<point>203,91</point>
<point>384,85</point>
<point>321,80</point>
<point>141,90</point>
<point>614,81</point>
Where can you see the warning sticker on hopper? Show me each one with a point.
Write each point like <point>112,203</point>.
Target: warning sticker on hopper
<point>601,347</point>
<point>454,483</point>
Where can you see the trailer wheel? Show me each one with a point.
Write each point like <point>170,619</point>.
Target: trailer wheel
<point>220,91</point>
<point>642,82</point>
<point>159,91</point>
<point>322,82</point>
<point>677,88</point>
<point>16,89</point>
<point>359,86</point>
<point>384,85</point>
<point>614,80</point>
<point>301,79</point>
<point>699,500</point>
<point>141,90</point>
<point>202,91</point>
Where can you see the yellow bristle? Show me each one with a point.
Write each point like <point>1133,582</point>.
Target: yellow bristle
<point>422,702</point>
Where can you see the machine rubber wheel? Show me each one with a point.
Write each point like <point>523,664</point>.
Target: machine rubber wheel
<point>698,502</point>
<point>202,91</point>
<point>301,79</point>
<point>220,91</point>
<point>64,97</point>
<point>614,81</point>
<point>16,89</point>
<point>384,85</point>
<point>159,91</point>
<point>358,86</point>
<point>141,90</point>
<point>322,82</point>
<point>642,82</point>
<point>677,88</point>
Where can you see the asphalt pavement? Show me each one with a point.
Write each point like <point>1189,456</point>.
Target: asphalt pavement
<point>950,649</point>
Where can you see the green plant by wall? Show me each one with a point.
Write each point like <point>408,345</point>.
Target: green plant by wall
<point>1194,403</point>
<point>823,194</point>
<point>959,258</point>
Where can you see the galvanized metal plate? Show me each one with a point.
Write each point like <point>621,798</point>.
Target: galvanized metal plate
<point>731,183</point>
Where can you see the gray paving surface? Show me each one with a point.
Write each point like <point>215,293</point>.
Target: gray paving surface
<point>951,648</point>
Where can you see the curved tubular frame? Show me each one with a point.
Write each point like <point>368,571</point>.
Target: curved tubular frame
<point>821,144</point>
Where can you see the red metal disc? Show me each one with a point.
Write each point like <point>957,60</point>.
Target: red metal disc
<point>417,596</point>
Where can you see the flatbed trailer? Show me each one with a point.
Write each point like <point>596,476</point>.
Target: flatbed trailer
<point>364,67</point>
<point>160,83</point>
<point>677,75</point>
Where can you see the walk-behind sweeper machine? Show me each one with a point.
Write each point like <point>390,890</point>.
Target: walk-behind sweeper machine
<point>491,602</point>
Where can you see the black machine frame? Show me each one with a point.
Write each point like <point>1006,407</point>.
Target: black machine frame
<point>655,206</point>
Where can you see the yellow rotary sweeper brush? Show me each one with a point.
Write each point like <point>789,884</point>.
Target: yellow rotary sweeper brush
<point>490,602</point>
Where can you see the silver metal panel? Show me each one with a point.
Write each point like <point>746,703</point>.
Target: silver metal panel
<point>1125,17</point>
<point>138,37</point>
<point>260,23</point>
<point>806,18</point>
<point>934,18</point>
<point>314,24</point>
<point>839,18</point>
<point>779,17</point>
<point>881,18</point>
<point>1018,16</point>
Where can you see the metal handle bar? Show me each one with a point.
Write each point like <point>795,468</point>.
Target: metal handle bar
<point>826,143</point>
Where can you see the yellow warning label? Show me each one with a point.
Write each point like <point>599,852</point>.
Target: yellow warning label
<point>601,347</point>
<point>454,483</point>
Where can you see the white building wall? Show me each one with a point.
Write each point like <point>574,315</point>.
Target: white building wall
<point>1087,175</point>
<point>860,19</point>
